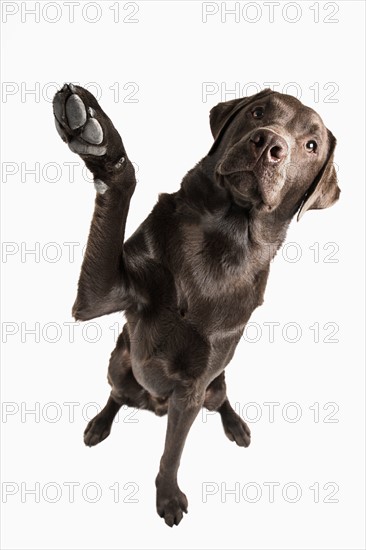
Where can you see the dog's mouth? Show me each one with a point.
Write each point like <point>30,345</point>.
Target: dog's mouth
<point>254,181</point>
<point>233,165</point>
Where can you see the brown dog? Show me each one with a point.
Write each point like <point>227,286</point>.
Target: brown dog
<point>191,275</point>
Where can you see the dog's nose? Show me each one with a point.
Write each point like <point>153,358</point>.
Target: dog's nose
<point>269,144</point>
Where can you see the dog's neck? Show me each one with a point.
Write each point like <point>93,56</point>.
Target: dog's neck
<point>214,207</point>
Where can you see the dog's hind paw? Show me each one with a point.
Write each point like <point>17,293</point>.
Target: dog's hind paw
<point>237,430</point>
<point>96,431</point>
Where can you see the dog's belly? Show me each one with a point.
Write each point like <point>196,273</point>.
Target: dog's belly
<point>152,375</point>
<point>161,361</point>
<point>160,377</point>
<point>188,337</point>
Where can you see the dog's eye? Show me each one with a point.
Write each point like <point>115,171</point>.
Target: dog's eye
<point>311,146</point>
<point>258,112</point>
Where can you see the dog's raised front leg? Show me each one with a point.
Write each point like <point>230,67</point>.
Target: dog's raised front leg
<point>104,284</point>
<point>170,501</point>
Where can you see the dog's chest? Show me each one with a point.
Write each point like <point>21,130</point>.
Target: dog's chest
<point>220,309</point>
<point>219,282</point>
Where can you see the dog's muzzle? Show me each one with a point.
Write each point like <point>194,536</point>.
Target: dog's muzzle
<point>268,147</point>
<point>265,154</point>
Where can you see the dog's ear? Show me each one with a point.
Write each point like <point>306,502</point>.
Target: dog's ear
<point>222,114</point>
<point>324,191</point>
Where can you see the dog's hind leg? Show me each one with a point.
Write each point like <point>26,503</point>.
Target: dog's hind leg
<point>125,391</point>
<point>216,400</point>
<point>100,426</point>
<point>234,426</point>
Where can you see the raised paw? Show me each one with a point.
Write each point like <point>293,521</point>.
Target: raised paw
<point>236,429</point>
<point>97,430</point>
<point>86,129</point>
<point>171,503</point>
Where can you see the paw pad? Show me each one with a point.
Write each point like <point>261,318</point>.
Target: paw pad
<point>76,123</point>
<point>75,112</point>
<point>92,131</point>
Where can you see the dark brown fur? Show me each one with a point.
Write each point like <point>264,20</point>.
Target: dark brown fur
<point>191,275</point>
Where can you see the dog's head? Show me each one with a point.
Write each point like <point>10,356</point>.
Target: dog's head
<point>273,153</point>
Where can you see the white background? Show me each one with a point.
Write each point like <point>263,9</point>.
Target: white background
<point>170,53</point>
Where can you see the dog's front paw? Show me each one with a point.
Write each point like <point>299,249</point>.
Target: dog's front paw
<point>87,130</point>
<point>170,502</point>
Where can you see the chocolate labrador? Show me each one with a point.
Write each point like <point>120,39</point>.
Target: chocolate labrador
<point>190,276</point>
